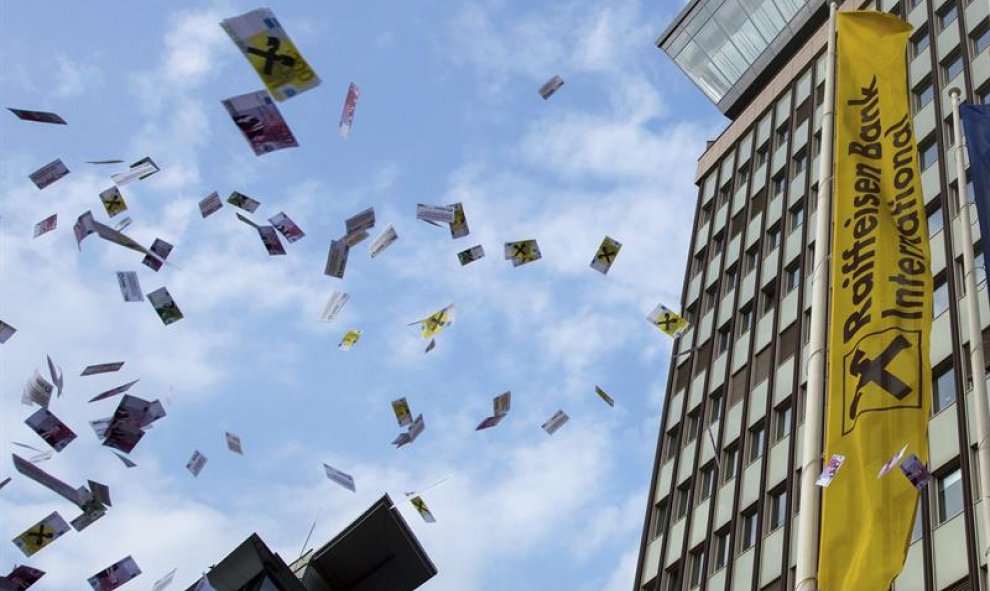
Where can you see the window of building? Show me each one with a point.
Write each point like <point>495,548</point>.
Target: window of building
<point>943,387</point>
<point>746,317</point>
<point>717,241</point>
<point>950,495</point>
<point>923,94</point>
<point>658,519</point>
<point>947,16</point>
<point>800,162</point>
<point>707,482</point>
<point>792,277</point>
<point>769,296</point>
<point>742,176</point>
<point>730,461</point>
<point>928,153</point>
<point>698,264</point>
<point>779,184</point>
<point>782,417</point>
<point>980,38</point>
<point>682,498</point>
<point>748,529</point>
<point>671,443</point>
<point>729,280</point>
<point>919,42</point>
<point>706,212</point>
<point>723,196</point>
<point>934,213</point>
<point>693,425</point>
<point>761,154</point>
<point>711,296</point>
<point>783,134</point>
<point>750,260</point>
<point>983,95</point>
<point>722,339</point>
<point>673,579</point>
<point>795,217</point>
<point>696,564</point>
<point>721,549</point>
<point>940,298</point>
<point>777,508</point>
<point>802,402</point>
<point>715,406</point>
<point>757,439</point>
<point>651,585</point>
<point>773,237</point>
<point>917,529</point>
<point>952,66</point>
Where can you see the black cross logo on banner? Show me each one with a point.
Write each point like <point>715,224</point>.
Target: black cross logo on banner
<point>874,371</point>
<point>116,203</point>
<point>606,255</point>
<point>271,56</point>
<point>667,322</point>
<point>41,535</point>
<point>521,250</point>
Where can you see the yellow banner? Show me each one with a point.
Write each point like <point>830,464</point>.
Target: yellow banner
<point>879,388</point>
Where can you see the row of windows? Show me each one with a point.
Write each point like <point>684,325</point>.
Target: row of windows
<point>949,502</point>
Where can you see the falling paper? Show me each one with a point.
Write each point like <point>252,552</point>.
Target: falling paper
<point>48,174</point>
<point>286,227</point>
<point>114,391</point>
<point>196,463</point>
<point>916,471</point>
<point>4,482</point>
<point>130,287</point>
<point>84,226</point>
<point>402,413</point>
<point>350,339</point>
<point>501,404</point>
<point>140,170</point>
<point>551,86</point>
<point>27,468</point>
<point>886,468</point>
<point>6,331</point>
<point>274,57</point>
<point>21,578</point>
<point>522,252</point>
<point>415,429</point>
<point>601,394</point>
<point>234,443</point>
<point>127,462</point>
<point>56,375</point>
<point>122,224</point>
<point>109,161</point>
<point>436,322</point>
<point>347,115</point>
<point>113,201</point>
<point>555,422</point>
<point>256,115</point>
<point>210,204</point>
<point>355,238</point>
<point>37,116</point>
<point>386,238</point>
<point>334,305</point>
<point>470,255</point>
<point>363,220</point>
<point>165,306</point>
<point>102,368</point>
<point>114,575</point>
<point>41,534</point>
<point>55,433</point>
<point>37,391</point>
<point>336,259</point>
<point>431,345</point>
<point>828,473</point>
<point>459,226</point>
<point>435,213</point>
<point>160,250</point>
<point>269,237</point>
<point>605,255</point>
<point>243,201</point>
<point>668,321</point>
<point>164,581</point>
<point>344,480</point>
<point>46,225</point>
<point>423,510</point>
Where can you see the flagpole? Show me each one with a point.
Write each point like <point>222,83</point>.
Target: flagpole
<point>806,572</point>
<point>977,367</point>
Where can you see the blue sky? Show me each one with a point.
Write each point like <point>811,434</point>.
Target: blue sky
<point>448,112</point>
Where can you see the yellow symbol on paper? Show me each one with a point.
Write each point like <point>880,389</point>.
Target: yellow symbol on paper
<point>280,66</point>
<point>349,340</point>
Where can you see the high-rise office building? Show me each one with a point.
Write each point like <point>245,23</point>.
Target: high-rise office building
<point>726,481</point>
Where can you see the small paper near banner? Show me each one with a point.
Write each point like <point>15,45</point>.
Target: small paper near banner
<point>41,534</point>
<point>363,220</point>
<point>350,339</point>
<point>436,322</point>
<point>46,225</point>
<point>917,473</point>
<point>102,368</point>
<point>334,306</point>
<point>113,201</point>
<point>196,463</point>
<point>256,115</point>
<point>6,331</point>
<point>344,480</point>
<point>164,581</point>
<point>269,237</point>
<point>55,433</point>
<point>522,252</point>
<point>210,204</point>
<point>551,86</point>
<point>435,213</point>
<point>378,245</point>
<point>601,394</point>
<point>668,321</point>
<point>243,201</point>
<point>48,174</point>
<point>605,255</point>
<point>21,578</point>
<point>347,115</point>
<point>402,413</point>
<point>140,170</point>
<point>268,48</point>
<point>470,255</point>
<point>459,226</point>
<point>889,465</point>
<point>165,306</point>
<point>114,575</point>
<point>130,287</point>
<point>555,422</point>
<point>337,259</point>
<point>828,473</point>
<point>288,228</point>
<point>38,116</point>
<point>234,443</point>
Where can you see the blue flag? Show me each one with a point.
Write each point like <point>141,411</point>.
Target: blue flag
<point>976,125</point>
